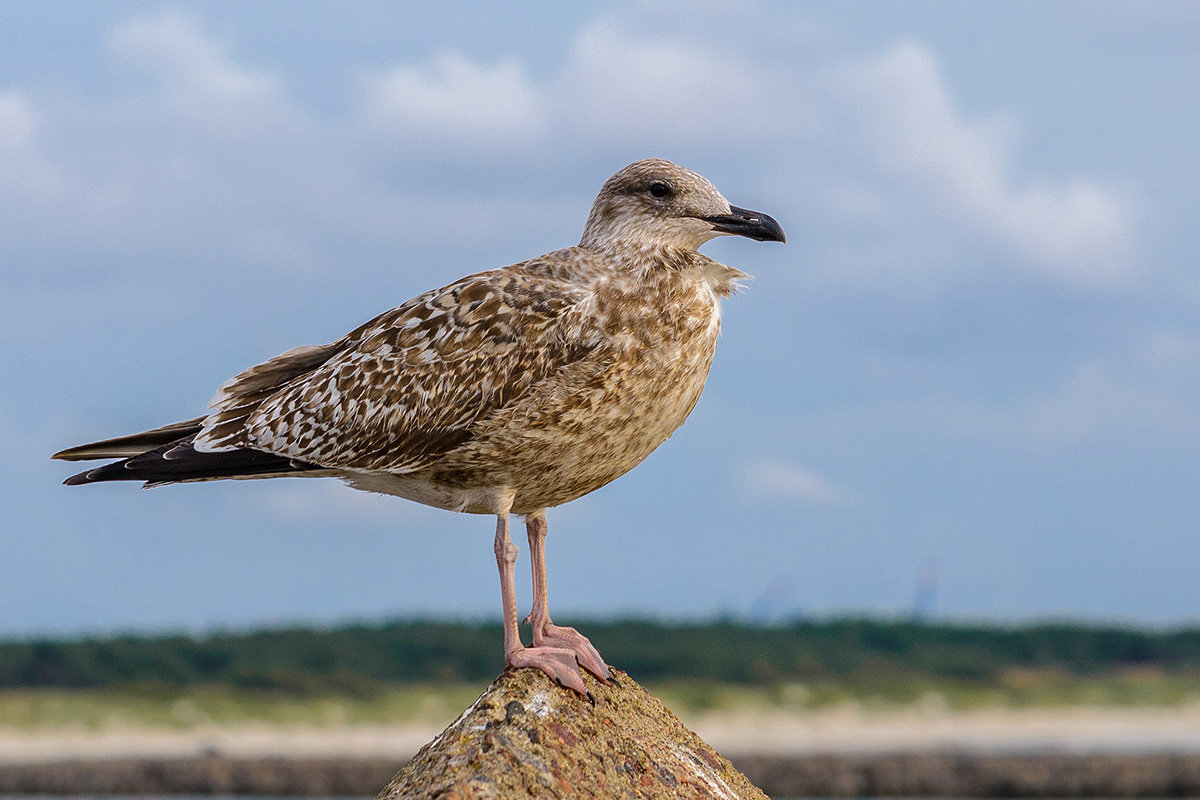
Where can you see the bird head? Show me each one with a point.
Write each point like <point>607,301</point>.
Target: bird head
<point>655,202</point>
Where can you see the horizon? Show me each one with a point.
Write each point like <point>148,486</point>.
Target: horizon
<point>1151,628</point>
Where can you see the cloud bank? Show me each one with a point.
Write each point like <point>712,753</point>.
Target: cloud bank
<point>207,143</point>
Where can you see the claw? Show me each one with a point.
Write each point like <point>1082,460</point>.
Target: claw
<point>588,656</point>
<point>557,662</point>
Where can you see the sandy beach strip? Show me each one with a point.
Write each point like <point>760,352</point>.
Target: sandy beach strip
<point>830,731</point>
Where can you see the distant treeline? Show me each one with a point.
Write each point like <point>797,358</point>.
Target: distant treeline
<point>358,658</point>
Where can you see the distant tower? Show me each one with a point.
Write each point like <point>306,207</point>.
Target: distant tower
<point>774,603</point>
<point>926,594</point>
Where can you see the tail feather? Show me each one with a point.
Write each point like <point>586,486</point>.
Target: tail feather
<point>166,455</point>
<point>132,445</point>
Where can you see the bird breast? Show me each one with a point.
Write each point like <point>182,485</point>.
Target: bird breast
<point>603,415</point>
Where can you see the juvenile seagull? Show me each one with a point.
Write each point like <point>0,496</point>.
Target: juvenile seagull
<point>506,392</point>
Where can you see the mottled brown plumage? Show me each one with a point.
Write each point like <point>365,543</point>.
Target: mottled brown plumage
<point>508,391</point>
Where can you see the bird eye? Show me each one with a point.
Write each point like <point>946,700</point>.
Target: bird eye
<point>659,189</point>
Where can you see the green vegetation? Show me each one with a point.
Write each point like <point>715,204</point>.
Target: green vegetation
<point>435,704</point>
<point>1014,690</point>
<point>429,671</point>
<point>862,657</point>
<point>190,706</point>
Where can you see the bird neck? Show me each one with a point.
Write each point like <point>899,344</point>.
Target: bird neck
<point>638,254</point>
<point>641,258</point>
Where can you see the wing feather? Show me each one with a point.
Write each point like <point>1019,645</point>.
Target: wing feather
<point>408,386</point>
<point>238,397</point>
<point>132,445</point>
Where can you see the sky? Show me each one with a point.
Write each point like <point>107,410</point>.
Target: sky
<point>970,379</point>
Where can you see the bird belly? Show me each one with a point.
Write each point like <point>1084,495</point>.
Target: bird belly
<point>564,444</point>
<point>544,456</point>
<point>422,487</point>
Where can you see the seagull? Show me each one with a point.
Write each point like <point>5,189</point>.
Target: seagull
<point>507,392</point>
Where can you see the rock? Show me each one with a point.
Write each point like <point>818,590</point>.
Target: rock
<point>528,737</point>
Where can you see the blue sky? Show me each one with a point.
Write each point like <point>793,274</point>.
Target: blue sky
<point>976,362</point>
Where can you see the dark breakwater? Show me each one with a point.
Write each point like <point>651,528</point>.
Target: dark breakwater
<point>931,774</point>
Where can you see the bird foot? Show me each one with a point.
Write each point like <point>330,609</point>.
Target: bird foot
<point>550,635</point>
<point>557,662</point>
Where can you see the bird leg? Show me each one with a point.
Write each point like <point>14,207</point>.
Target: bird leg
<point>557,662</point>
<point>545,632</point>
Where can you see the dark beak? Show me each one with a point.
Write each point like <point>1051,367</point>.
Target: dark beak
<point>752,224</point>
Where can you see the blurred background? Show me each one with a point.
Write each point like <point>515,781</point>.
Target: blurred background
<point>965,391</point>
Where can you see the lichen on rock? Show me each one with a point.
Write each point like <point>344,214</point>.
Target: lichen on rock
<point>528,737</point>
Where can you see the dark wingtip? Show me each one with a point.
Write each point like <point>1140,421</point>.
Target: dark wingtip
<point>115,470</point>
<point>78,480</point>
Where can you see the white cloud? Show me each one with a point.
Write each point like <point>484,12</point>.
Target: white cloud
<point>210,160</point>
<point>219,156</point>
<point>1077,230</point>
<point>777,479</point>
<point>16,122</point>
<point>24,171</point>
<point>193,69</point>
<point>452,96</point>
<point>618,86</point>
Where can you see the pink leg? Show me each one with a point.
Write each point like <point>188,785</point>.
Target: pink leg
<point>557,662</point>
<point>546,633</point>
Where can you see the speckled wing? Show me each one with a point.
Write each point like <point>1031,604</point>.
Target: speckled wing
<point>407,387</point>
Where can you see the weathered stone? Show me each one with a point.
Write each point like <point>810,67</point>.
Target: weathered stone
<point>528,737</point>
